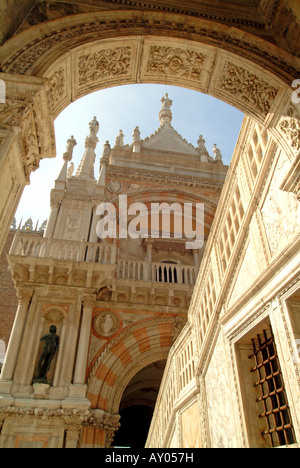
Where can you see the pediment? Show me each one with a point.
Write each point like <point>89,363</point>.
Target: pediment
<point>167,139</point>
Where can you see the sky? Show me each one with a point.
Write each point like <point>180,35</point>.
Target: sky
<point>124,108</point>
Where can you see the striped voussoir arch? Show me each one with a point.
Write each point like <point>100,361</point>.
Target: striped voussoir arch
<point>136,347</point>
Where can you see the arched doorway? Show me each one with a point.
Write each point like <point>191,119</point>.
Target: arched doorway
<point>137,406</point>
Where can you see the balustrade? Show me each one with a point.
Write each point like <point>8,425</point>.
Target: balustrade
<point>157,272</point>
<point>35,246</point>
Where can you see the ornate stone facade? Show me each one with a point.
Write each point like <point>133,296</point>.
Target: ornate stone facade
<point>247,56</point>
<point>117,304</point>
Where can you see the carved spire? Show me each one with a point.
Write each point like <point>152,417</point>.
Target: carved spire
<point>165,115</point>
<point>103,163</point>
<point>86,166</point>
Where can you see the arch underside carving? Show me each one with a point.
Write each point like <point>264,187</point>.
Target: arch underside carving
<point>79,55</point>
<point>136,347</point>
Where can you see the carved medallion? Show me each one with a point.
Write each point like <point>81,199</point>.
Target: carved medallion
<point>106,324</point>
<point>176,62</point>
<point>115,187</point>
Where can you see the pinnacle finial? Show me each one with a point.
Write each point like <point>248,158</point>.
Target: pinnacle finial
<point>67,156</point>
<point>86,166</point>
<point>94,126</point>
<point>165,115</point>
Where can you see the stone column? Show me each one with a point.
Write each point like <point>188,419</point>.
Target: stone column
<point>73,430</point>
<point>113,255</point>
<point>93,233</point>
<point>27,135</point>
<point>149,247</point>
<point>99,430</point>
<point>196,257</point>
<point>9,364</point>
<point>51,224</point>
<point>78,389</point>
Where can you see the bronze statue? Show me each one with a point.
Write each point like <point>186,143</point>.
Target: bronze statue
<point>50,347</point>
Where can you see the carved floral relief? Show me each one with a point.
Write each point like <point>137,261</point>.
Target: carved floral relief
<point>57,85</point>
<point>243,84</point>
<point>175,62</point>
<point>103,64</point>
<point>290,127</point>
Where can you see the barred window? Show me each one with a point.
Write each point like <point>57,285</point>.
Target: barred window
<point>269,381</point>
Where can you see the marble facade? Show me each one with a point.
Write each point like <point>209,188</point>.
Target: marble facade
<point>245,53</point>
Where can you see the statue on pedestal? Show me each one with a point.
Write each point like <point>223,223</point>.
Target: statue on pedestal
<point>50,347</point>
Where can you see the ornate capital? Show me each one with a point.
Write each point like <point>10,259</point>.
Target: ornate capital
<point>105,421</point>
<point>89,300</point>
<point>24,295</point>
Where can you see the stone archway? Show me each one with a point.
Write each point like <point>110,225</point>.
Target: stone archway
<point>134,349</point>
<point>139,345</point>
<point>47,66</point>
<point>137,406</point>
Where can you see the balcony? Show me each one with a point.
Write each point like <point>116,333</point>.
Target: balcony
<point>33,248</point>
<point>157,272</point>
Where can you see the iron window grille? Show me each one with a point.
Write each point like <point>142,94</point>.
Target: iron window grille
<point>276,413</point>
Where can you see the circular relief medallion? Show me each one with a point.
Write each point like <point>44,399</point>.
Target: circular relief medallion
<point>106,324</point>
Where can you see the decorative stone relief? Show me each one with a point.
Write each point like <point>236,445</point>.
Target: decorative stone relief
<point>290,127</point>
<point>177,327</point>
<point>54,315</point>
<point>280,211</point>
<point>175,62</point>
<point>12,111</point>
<point>57,84</point>
<point>115,187</point>
<point>244,85</point>
<point>106,324</point>
<point>104,63</point>
<point>73,224</point>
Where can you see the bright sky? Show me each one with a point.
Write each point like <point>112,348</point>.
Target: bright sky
<point>124,108</point>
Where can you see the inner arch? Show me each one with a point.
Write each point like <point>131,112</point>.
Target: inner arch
<point>137,406</point>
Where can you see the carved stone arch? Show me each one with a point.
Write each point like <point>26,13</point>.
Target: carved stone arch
<point>52,64</point>
<point>140,345</point>
<point>148,358</point>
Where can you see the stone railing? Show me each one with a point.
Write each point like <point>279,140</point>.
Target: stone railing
<point>33,245</point>
<point>157,272</point>
<point>178,379</point>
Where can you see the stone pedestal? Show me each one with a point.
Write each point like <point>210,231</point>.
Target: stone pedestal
<point>40,390</point>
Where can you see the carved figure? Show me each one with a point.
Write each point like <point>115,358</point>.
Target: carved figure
<point>70,170</point>
<point>136,134</point>
<point>120,139</point>
<point>50,347</point>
